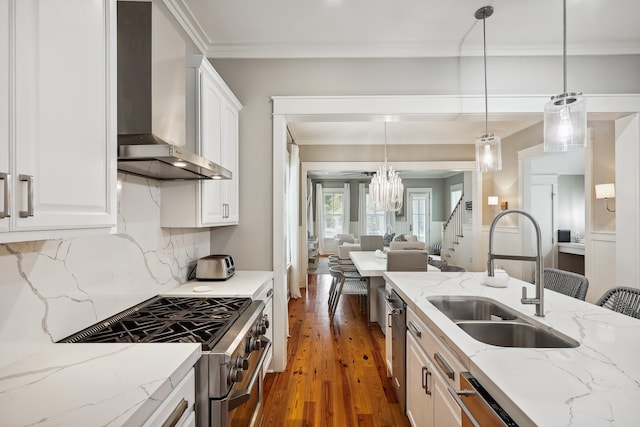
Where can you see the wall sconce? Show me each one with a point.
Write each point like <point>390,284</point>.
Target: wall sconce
<point>606,191</point>
<point>493,201</point>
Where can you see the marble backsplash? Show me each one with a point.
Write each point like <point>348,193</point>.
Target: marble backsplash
<point>51,289</point>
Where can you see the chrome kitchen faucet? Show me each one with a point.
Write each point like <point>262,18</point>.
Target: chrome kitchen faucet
<point>538,259</point>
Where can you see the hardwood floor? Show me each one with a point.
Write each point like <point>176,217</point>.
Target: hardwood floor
<point>336,374</point>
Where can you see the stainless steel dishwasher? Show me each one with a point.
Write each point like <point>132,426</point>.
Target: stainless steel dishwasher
<point>479,408</point>
<point>398,316</point>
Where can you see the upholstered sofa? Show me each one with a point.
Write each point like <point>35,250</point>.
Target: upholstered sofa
<point>346,243</point>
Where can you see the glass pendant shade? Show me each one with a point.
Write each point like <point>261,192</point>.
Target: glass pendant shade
<point>488,147</point>
<point>386,189</point>
<point>565,123</point>
<point>488,153</point>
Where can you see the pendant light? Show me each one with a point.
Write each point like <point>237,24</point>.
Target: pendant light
<point>386,189</point>
<point>488,147</point>
<point>565,115</point>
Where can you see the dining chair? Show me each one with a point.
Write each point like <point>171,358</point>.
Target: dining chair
<point>402,260</point>
<point>371,243</point>
<point>622,299</point>
<point>566,282</point>
<point>343,284</point>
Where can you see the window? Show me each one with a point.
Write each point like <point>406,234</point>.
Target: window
<point>333,212</point>
<point>375,221</point>
<point>456,193</point>
<point>419,213</point>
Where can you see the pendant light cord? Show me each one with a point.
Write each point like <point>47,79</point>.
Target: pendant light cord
<point>486,102</point>
<point>564,44</point>
<point>385,143</point>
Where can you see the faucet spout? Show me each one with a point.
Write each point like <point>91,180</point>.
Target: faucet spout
<point>538,259</point>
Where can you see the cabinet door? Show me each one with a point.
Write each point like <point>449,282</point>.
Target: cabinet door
<point>230,161</point>
<point>63,108</point>
<point>4,114</point>
<point>419,384</point>
<point>211,209</point>
<point>446,412</point>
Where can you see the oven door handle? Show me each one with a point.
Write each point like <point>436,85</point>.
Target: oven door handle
<point>238,397</point>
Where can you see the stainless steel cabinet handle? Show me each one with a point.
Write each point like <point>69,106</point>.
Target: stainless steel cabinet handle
<point>389,320</point>
<point>425,380</point>
<point>6,178</point>
<point>29,180</point>
<point>414,328</point>
<point>176,414</point>
<point>456,396</point>
<point>448,371</point>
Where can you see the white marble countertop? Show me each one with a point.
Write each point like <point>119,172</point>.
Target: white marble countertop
<point>92,384</point>
<point>106,384</point>
<point>371,264</point>
<point>595,384</point>
<point>571,248</point>
<point>247,284</point>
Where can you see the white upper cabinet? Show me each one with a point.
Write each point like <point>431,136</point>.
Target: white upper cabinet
<point>57,120</point>
<point>212,131</point>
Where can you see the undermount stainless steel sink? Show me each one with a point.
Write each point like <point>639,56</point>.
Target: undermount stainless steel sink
<point>491,322</point>
<point>472,308</point>
<point>516,334</point>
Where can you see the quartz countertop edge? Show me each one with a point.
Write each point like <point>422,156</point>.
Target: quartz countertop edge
<point>243,284</point>
<point>108,384</point>
<point>595,384</point>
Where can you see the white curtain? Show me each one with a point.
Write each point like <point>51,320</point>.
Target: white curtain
<point>320,218</point>
<point>310,228</point>
<point>293,206</point>
<point>346,202</point>
<point>362,209</point>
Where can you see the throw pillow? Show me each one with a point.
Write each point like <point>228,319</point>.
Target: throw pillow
<point>388,237</point>
<point>400,238</point>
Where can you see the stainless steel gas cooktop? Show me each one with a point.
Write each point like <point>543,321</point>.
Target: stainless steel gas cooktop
<point>168,319</point>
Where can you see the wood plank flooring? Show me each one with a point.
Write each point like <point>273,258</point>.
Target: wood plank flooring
<point>336,374</point>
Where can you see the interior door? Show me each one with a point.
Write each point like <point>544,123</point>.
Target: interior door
<point>419,213</point>
<point>543,191</point>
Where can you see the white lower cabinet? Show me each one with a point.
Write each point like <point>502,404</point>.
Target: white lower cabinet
<point>430,369</point>
<point>178,408</point>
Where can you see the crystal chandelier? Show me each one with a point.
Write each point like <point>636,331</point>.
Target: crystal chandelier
<point>488,146</point>
<point>386,189</point>
<point>565,115</point>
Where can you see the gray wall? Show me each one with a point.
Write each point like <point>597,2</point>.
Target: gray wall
<point>254,81</point>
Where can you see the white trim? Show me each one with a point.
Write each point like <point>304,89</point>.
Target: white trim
<point>280,288</point>
<point>381,108</point>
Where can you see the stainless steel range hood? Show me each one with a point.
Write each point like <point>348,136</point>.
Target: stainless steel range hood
<point>140,152</point>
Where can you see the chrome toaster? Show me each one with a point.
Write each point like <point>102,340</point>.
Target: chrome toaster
<point>215,267</point>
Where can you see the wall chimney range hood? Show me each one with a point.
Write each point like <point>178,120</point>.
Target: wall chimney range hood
<point>140,152</point>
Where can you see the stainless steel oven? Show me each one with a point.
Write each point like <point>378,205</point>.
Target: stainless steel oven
<point>231,330</point>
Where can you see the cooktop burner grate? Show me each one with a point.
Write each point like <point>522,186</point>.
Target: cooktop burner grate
<point>168,319</point>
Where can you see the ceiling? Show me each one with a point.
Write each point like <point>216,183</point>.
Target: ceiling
<point>406,28</point>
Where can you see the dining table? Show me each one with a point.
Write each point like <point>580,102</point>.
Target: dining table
<point>371,265</point>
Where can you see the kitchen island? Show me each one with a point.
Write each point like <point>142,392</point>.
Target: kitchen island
<point>594,384</point>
